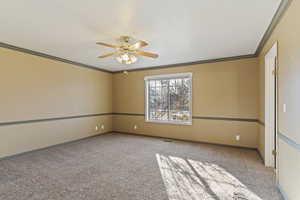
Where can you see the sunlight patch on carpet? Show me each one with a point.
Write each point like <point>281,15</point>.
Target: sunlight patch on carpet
<point>187,179</point>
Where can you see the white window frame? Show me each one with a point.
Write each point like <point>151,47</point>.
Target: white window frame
<point>168,76</point>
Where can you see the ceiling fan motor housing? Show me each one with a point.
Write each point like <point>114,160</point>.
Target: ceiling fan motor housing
<point>125,39</point>
<point>128,49</point>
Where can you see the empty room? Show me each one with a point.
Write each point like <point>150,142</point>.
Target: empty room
<point>150,100</point>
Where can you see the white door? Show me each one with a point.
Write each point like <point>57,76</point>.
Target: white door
<point>270,106</point>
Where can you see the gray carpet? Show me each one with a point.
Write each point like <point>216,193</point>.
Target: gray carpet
<point>127,167</point>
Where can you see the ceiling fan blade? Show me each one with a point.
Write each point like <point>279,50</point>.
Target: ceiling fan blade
<point>142,53</point>
<point>107,45</point>
<point>110,54</point>
<point>138,45</point>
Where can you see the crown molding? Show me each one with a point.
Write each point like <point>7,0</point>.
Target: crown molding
<point>275,20</point>
<point>284,4</point>
<point>189,63</point>
<point>36,53</point>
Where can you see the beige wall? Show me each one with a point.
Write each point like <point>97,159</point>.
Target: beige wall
<point>289,166</point>
<point>33,88</point>
<point>261,116</point>
<point>222,89</point>
<point>287,34</point>
<point>26,137</point>
<point>261,140</point>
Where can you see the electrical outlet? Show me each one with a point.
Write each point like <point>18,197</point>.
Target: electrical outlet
<point>102,126</point>
<point>237,137</point>
<point>96,128</point>
<point>135,127</point>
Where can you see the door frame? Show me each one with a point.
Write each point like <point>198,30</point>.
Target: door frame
<point>271,106</point>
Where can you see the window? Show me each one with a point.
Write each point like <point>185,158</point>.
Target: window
<point>169,98</point>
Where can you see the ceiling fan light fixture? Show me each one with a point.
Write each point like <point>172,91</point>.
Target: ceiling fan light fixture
<point>127,53</point>
<point>126,58</point>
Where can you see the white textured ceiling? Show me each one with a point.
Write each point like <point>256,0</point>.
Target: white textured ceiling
<point>179,31</point>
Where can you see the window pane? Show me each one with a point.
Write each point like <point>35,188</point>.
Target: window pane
<point>178,82</point>
<point>172,82</point>
<point>151,103</point>
<point>169,99</point>
<point>164,83</point>
<point>152,83</point>
<point>158,83</point>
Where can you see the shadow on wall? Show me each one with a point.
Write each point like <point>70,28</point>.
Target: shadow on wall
<point>187,179</point>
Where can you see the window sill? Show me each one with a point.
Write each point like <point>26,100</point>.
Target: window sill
<point>189,123</point>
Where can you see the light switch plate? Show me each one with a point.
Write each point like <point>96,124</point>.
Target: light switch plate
<point>284,107</point>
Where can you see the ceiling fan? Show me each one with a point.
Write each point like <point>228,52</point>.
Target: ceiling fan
<point>127,51</point>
